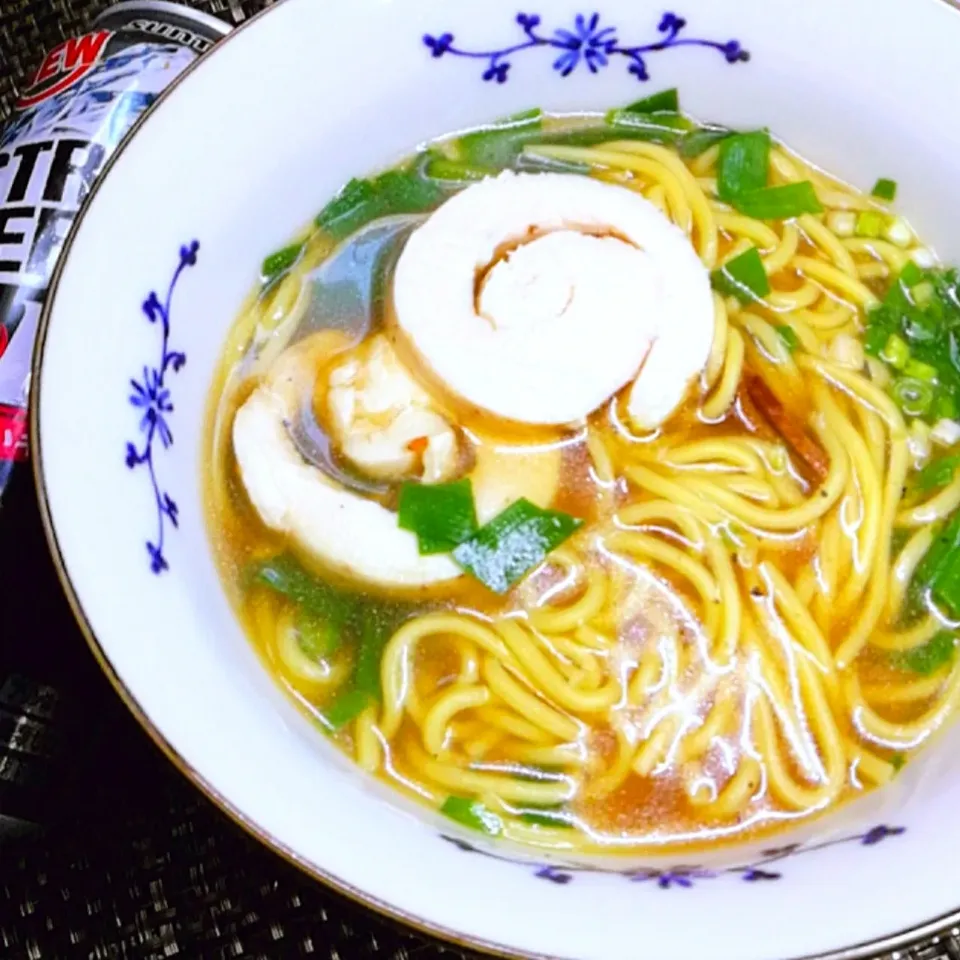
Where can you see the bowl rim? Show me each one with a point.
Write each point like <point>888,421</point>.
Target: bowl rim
<point>943,925</point>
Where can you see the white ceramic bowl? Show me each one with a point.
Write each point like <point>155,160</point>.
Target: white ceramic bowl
<point>238,155</point>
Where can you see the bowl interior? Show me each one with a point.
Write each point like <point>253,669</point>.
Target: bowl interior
<point>238,156</point>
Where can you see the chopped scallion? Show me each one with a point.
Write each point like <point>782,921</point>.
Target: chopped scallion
<point>362,201</point>
<point>920,370</point>
<point>885,189</point>
<point>938,473</point>
<point>929,657</point>
<point>666,101</point>
<point>897,761</point>
<point>914,397</point>
<point>744,277</point>
<point>897,231</point>
<point>280,262</point>
<point>658,127</point>
<point>453,171</point>
<point>779,203</point>
<point>346,706</point>
<point>895,352</point>
<point>789,336</point>
<point>442,515</point>
<point>318,636</point>
<point>472,814</point>
<point>870,224</point>
<point>698,142</point>
<point>514,542</point>
<point>556,817</point>
<point>743,164</point>
<point>911,275</point>
<point>922,294</point>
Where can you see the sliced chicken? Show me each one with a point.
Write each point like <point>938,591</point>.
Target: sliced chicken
<point>536,297</point>
<point>337,527</point>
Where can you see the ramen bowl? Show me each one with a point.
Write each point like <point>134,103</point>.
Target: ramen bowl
<point>231,162</point>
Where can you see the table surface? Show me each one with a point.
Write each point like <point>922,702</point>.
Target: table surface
<point>132,861</point>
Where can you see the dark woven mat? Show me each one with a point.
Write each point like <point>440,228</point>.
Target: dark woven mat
<point>133,863</point>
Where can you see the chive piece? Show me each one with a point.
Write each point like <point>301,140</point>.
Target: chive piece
<point>885,189</point>
<point>911,275</point>
<point>497,145</point>
<point>920,370</point>
<point>284,575</point>
<point>376,629</point>
<point>895,352</point>
<point>947,594</point>
<point>666,101</point>
<point>513,543</point>
<point>875,338</point>
<point>657,127</point>
<point>743,164</point>
<point>937,473</point>
<point>362,201</point>
<point>870,223</point>
<point>280,261</point>
<point>346,706</point>
<point>929,657</point>
<point>442,515</point>
<point>934,561</point>
<point>554,816</point>
<point>318,636</point>
<point>945,406</point>
<point>472,814</point>
<point>789,336</point>
<point>897,761</point>
<point>922,294</point>
<point>914,397</point>
<point>453,171</point>
<point>779,203</point>
<point>744,277</point>
<point>354,205</point>
<point>698,142</point>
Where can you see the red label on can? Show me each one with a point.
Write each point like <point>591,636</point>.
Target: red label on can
<point>63,66</point>
<point>13,433</point>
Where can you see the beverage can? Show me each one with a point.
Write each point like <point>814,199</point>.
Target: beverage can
<point>85,96</point>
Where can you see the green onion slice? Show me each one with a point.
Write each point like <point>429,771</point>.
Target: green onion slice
<point>346,706</point>
<point>789,336</point>
<point>885,189</point>
<point>938,473</point>
<point>453,171</point>
<point>472,814</point>
<point>698,142</point>
<point>743,164</point>
<point>280,261</point>
<point>779,203</point>
<point>744,277</point>
<point>929,657</point>
<point>503,551</point>
<point>442,515</point>
<point>666,101</point>
<point>362,201</point>
<point>913,396</point>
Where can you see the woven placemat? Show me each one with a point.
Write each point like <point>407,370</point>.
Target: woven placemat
<point>133,863</point>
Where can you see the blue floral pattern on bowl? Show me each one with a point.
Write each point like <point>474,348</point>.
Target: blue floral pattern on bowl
<point>685,876</point>
<point>590,43</point>
<point>150,396</point>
